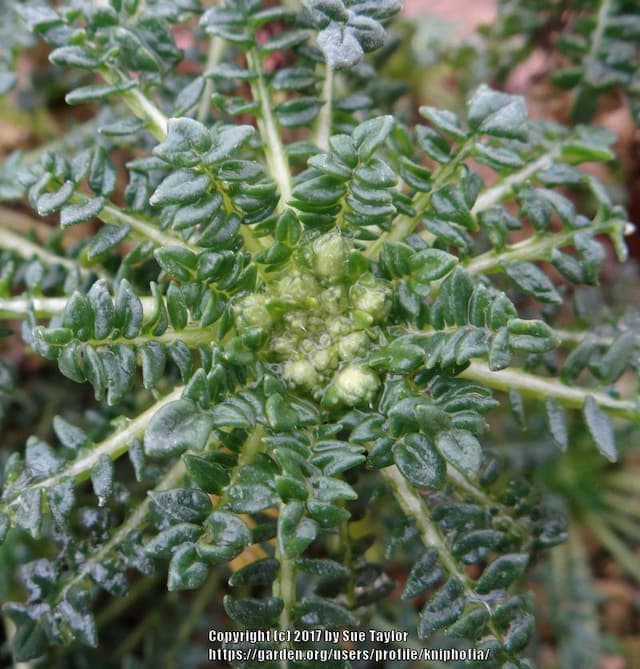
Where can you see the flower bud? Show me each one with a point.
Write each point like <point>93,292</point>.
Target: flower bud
<point>329,256</point>
<point>251,312</point>
<point>371,297</point>
<point>325,359</point>
<point>352,345</point>
<point>301,373</point>
<point>352,386</point>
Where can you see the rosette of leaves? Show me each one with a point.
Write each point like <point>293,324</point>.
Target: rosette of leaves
<point>324,320</point>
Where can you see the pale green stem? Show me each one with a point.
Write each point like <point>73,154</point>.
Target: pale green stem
<point>538,387</point>
<point>596,38</point>
<point>415,508</point>
<point>43,307</point>
<point>504,188</point>
<point>192,335</point>
<point>27,249</point>
<point>267,126</point>
<point>323,123</point>
<point>47,307</point>
<point>114,446</point>
<point>114,215</point>
<point>347,560</point>
<point>538,247</point>
<point>284,587</point>
<point>461,482</point>
<point>145,110</point>
<point>216,49</point>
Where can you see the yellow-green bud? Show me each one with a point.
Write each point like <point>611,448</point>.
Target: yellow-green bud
<point>301,373</point>
<point>329,256</point>
<point>298,287</point>
<point>338,326</point>
<point>352,345</point>
<point>251,312</point>
<point>325,359</point>
<point>370,296</point>
<point>352,386</point>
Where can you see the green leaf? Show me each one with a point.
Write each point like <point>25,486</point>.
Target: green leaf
<point>27,511</point>
<point>533,281</point>
<point>315,611</point>
<point>103,309</point>
<point>295,531</point>
<point>186,570</point>
<point>253,490</point>
<point>431,265</point>
<point>419,462</point>
<point>30,639</point>
<point>181,505</point>
<point>108,237</point>
<point>103,176</point>
<point>208,474</point>
<point>75,609</point>
<point>557,421</point>
<point>180,187</point>
<point>497,114</point>
<point>178,426</point>
<point>461,449</point>
<point>600,429</point>
<point>164,543</point>
<point>433,144</point>
<point>49,203</point>
<point>128,311</point>
<point>253,613</point>
<point>72,214</point>
<point>227,536</point>
<point>369,136</point>
<point>402,356</point>
<point>323,567</point>
<point>446,121</point>
<point>102,476</point>
<point>424,574</point>
<point>259,572</point>
<point>443,609</point>
<point>298,112</point>
<point>280,415</point>
<point>502,572</point>
<point>449,204</point>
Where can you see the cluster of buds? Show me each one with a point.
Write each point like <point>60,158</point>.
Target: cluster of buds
<point>318,325</point>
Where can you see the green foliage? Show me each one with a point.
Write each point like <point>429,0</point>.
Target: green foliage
<point>596,39</point>
<point>311,330</point>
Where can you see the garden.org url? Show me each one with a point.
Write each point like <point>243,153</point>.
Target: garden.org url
<point>350,655</point>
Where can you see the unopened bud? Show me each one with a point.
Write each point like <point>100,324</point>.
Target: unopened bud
<point>251,312</point>
<point>301,373</point>
<point>370,296</point>
<point>352,386</point>
<point>329,256</point>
